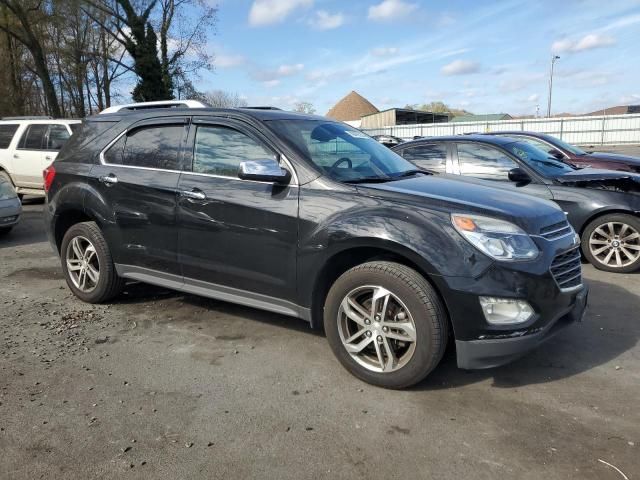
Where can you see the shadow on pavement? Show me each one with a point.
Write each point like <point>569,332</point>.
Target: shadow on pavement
<point>607,331</point>
<point>30,228</point>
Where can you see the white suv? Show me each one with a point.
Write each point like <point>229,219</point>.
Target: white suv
<point>28,145</point>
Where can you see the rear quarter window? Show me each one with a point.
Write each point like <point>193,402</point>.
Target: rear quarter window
<point>7,132</point>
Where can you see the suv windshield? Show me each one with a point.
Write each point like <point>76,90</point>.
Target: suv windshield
<point>342,152</point>
<point>539,160</point>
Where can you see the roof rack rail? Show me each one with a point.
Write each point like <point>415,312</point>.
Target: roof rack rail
<point>28,117</point>
<point>266,107</point>
<point>135,107</point>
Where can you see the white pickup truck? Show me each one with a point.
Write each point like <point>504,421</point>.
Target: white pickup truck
<point>28,145</point>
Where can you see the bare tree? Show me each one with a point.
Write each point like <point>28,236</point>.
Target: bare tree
<point>304,107</point>
<point>25,20</point>
<point>222,99</point>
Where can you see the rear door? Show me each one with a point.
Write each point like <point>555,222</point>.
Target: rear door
<point>237,233</point>
<point>57,135</point>
<point>28,156</point>
<point>137,177</point>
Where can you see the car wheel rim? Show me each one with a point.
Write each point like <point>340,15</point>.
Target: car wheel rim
<point>83,264</point>
<point>377,329</point>
<point>615,244</point>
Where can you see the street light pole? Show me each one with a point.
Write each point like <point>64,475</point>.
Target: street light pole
<point>554,58</point>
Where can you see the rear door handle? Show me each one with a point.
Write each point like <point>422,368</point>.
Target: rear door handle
<point>48,157</point>
<point>194,194</point>
<point>110,179</point>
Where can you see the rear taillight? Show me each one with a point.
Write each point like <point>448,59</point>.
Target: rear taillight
<point>49,174</point>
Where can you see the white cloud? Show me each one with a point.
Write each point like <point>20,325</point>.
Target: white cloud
<point>384,51</point>
<point>460,67</point>
<point>324,20</point>
<point>632,99</point>
<point>267,12</point>
<point>272,77</point>
<point>588,42</point>
<point>533,98</point>
<point>391,9</point>
<point>223,60</point>
<point>287,70</point>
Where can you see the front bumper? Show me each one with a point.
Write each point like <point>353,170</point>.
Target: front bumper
<point>493,352</point>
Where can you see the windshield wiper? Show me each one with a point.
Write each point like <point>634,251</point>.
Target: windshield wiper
<point>408,173</point>
<point>369,180</point>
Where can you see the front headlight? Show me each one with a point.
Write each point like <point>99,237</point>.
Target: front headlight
<point>496,238</point>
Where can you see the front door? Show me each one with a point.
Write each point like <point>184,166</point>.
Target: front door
<point>489,163</point>
<point>237,233</point>
<point>137,178</point>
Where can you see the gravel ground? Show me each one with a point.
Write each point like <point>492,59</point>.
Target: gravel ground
<point>164,385</point>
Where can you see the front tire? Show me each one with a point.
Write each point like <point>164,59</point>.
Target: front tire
<point>87,264</point>
<point>612,243</point>
<point>5,230</point>
<point>385,324</point>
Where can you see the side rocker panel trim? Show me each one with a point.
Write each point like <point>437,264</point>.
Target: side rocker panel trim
<point>211,290</point>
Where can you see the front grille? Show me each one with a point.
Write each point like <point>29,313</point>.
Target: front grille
<point>557,230</point>
<point>566,269</point>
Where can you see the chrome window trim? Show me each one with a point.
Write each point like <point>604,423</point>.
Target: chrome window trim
<point>294,177</point>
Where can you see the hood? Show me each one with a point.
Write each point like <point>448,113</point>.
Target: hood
<point>459,194</point>
<point>614,157</point>
<point>602,179</point>
<point>591,174</point>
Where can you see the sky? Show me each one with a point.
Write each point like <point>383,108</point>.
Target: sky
<point>482,56</point>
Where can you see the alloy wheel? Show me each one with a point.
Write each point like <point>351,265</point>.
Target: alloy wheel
<point>377,329</point>
<point>83,264</point>
<point>615,244</point>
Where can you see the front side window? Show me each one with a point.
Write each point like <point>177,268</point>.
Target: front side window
<point>429,157</point>
<point>220,150</point>
<point>33,138</point>
<point>484,162</point>
<point>58,136</point>
<point>7,131</point>
<point>342,152</point>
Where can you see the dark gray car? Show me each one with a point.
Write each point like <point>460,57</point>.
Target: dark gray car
<point>602,205</point>
<point>10,207</point>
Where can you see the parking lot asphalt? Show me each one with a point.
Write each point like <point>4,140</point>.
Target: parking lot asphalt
<point>163,385</point>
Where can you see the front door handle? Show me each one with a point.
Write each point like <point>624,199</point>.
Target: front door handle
<point>194,194</point>
<point>108,180</point>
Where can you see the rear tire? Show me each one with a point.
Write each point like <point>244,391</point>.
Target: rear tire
<point>87,264</point>
<point>612,243</point>
<point>386,324</point>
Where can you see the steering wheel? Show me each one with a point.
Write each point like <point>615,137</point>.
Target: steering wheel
<point>334,167</point>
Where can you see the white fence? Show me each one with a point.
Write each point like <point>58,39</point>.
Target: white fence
<point>597,130</point>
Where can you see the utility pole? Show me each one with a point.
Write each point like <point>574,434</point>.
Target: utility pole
<point>554,58</point>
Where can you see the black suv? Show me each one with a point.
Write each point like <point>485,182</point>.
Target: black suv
<point>311,218</point>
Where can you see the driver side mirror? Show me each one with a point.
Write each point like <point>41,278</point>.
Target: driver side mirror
<point>518,175</point>
<point>267,170</point>
<point>556,153</point>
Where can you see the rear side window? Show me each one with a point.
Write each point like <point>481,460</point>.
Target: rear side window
<point>7,132</point>
<point>57,137</point>
<point>156,146</point>
<point>33,138</point>
<point>430,157</point>
<point>219,151</point>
